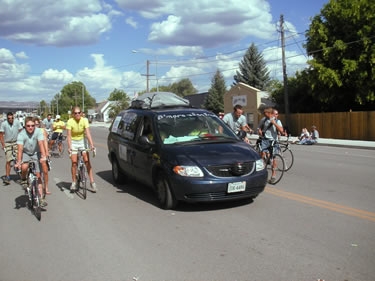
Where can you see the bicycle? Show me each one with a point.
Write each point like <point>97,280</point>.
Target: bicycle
<point>58,146</point>
<point>32,190</point>
<point>286,153</point>
<point>81,172</point>
<point>270,159</point>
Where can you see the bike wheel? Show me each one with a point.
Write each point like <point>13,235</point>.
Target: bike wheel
<point>36,200</point>
<point>275,173</point>
<point>83,180</point>
<point>288,156</point>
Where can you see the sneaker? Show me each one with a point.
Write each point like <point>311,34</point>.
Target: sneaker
<point>93,187</point>
<point>272,180</point>
<point>73,187</point>
<point>43,203</point>
<point>6,180</point>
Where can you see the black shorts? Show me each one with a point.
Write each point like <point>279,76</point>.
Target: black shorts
<point>55,135</point>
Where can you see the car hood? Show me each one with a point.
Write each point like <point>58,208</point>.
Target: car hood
<point>209,154</point>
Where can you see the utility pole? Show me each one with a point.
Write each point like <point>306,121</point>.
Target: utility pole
<point>83,98</point>
<point>285,78</point>
<point>147,75</point>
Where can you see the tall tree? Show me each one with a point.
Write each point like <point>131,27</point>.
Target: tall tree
<point>342,43</point>
<point>215,98</point>
<point>120,102</point>
<point>253,69</point>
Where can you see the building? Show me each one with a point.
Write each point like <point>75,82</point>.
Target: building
<point>251,99</point>
<point>102,111</point>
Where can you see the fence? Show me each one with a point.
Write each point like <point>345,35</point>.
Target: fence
<point>359,125</point>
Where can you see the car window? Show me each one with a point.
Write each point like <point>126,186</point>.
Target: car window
<point>175,128</point>
<point>130,122</point>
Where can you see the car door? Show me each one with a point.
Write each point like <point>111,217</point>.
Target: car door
<point>143,154</point>
<point>125,144</point>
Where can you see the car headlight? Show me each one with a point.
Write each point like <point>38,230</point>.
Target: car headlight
<point>259,165</point>
<point>188,171</point>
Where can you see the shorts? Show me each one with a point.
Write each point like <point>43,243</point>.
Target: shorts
<point>265,145</point>
<point>55,135</point>
<point>77,144</point>
<point>9,146</point>
<point>26,158</point>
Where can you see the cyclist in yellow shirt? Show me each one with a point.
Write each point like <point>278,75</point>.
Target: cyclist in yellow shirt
<point>58,127</point>
<point>77,129</point>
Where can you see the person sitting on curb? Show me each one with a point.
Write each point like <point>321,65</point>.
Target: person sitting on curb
<point>313,139</point>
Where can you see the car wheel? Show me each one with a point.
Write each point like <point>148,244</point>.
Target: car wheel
<point>166,199</point>
<point>117,175</point>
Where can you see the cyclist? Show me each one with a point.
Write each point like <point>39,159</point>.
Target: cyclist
<point>237,121</point>
<point>48,122</point>
<point>8,136</point>
<point>40,125</point>
<point>30,144</point>
<point>77,129</point>
<point>58,127</point>
<point>269,128</point>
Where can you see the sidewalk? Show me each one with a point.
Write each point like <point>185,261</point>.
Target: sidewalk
<point>322,141</point>
<point>336,142</point>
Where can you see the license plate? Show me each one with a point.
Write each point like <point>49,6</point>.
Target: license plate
<point>236,186</point>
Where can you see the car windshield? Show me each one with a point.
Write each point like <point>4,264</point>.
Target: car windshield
<point>186,127</point>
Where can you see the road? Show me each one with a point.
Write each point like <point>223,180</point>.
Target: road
<point>317,223</point>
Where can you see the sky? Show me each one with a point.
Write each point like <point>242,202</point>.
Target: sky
<point>105,44</point>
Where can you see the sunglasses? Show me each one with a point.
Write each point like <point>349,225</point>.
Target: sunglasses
<point>78,112</point>
<point>30,126</point>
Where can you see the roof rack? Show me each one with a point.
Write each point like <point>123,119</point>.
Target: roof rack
<point>159,100</point>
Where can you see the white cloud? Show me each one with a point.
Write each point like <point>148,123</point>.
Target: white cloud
<point>57,23</point>
<point>130,21</point>
<point>205,23</point>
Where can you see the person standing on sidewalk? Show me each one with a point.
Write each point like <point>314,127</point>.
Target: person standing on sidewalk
<point>8,136</point>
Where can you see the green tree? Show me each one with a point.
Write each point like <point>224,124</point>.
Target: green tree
<point>253,69</point>
<point>120,102</point>
<point>43,108</point>
<point>341,41</point>
<point>215,98</point>
<point>74,93</point>
<point>299,92</point>
<point>181,88</point>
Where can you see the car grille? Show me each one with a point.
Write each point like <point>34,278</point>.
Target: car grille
<point>232,170</point>
<point>222,195</point>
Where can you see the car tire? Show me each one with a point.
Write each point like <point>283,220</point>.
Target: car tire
<point>165,196</point>
<point>117,174</point>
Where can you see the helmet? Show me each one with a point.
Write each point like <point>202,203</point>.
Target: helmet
<point>58,116</point>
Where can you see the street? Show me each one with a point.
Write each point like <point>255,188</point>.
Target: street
<point>317,223</point>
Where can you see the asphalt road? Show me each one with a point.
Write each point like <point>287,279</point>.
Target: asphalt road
<point>317,223</point>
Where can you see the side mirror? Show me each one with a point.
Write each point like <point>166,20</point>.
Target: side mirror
<point>144,140</point>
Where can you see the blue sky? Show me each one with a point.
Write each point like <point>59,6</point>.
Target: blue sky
<point>47,44</point>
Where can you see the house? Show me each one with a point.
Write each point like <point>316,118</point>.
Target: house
<point>102,111</point>
<point>251,99</point>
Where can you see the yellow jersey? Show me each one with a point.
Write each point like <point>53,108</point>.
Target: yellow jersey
<point>77,128</point>
<point>58,126</point>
